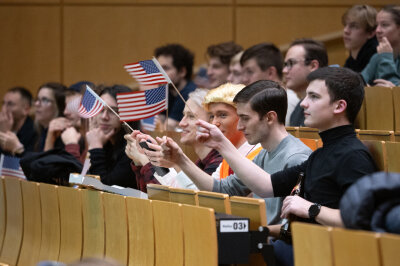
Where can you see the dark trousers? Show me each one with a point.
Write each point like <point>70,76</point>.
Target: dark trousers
<point>283,253</point>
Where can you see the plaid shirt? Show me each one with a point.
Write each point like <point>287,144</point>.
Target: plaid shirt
<point>145,174</point>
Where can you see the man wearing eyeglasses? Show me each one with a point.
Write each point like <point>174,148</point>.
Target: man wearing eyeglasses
<point>264,61</point>
<point>16,127</point>
<point>303,57</point>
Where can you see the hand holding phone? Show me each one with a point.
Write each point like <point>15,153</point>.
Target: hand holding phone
<point>161,171</point>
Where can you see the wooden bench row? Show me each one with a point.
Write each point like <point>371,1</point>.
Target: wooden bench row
<point>46,222</point>
<point>316,245</point>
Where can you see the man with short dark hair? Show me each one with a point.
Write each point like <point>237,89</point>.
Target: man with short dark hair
<point>302,57</point>
<point>334,97</point>
<point>17,132</point>
<point>264,62</point>
<point>177,61</point>
<point>219,57</point>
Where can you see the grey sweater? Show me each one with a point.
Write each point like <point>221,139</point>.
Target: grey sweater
<point>290,152</point>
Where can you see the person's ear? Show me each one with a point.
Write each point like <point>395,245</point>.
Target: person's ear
<point>270,116</point>
<point>314,64</point>
<point>340,106</point>
<point>272,73</point>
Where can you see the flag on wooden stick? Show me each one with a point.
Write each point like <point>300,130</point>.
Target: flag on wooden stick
<point>142,104</point>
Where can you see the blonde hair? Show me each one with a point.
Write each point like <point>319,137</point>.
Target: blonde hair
<point>363,14</point>
<point>198,95</point>
<point>223,94</point>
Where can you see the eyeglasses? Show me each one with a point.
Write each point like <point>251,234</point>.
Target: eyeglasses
<point>291,62</point>
<point>43,101</point>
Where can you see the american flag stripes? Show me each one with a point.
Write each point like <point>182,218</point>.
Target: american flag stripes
<point>148,124</point>
<point>9,166</point>
<point>142,104</point>
<point>148,72</point>
<point>91,104</point>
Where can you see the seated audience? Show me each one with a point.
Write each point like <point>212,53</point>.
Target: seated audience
<point>359,38</point>
<point>219,57</point>
<point>208,160</point>
<point>106,143</point>
<point>177,61</point>
<point>261,108</point>
<point>384,67</point>
<point>334,97</point>
<point>17,133</point>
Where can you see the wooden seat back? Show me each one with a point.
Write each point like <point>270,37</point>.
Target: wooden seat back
<point>378,152</point>
<point>158,192</point>
<point>309,133</point>
<point>218,201</point>
<point>379,108</point>
<point>351,247</point>
<point>116,228</point>
<point>30,248</point>
<point>312,245</point>
<point>389,247</point>
<point>70,224</point>
<point>168,233</point>
<point>141,231</point>
<point>393,156</point>
<point>200,236</point>
<point>14,221</point>
<point>93,224</point>
<point>184,196</point>
<point>383,135</point>
<point>50,244</point>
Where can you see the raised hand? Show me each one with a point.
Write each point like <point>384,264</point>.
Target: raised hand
<point>384,46</point>
<point>132,149</point>
<point>6,121</point>
<point>209,134</point>
<point>96,138</point>
<point>9,142</point>
<point>70,136</point>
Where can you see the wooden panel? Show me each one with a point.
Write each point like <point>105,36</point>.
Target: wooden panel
<point>377,150</point>
<point>30,45</point>
<point>314,2</point>
<point>141,231</point>
<point>168,232</point>
<point>393,156</point>
<point>384,135</point>
<point>32,224</point>
<point>3,212</point>
<point>108,37</point>
<point>162,2</point>
<point>309,133</point>
<point>252,208</point>
<point>292,25</point>
<point>158,192</point>
<point>14,222</point>
<point>218,201</point>
<point>116,227</point>
<point>93,224</point>
<point>71,224</point>
<point>184,196</point>
<point>352,247</point>
<point>396,101</point>
<point>379,108</point>
<point>200,236</point>
<point>312,245</point>
<point>389,244</point>
<point>50,245</point>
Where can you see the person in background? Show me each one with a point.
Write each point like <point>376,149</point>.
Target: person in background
<point>49,104</point>
<point>219,57</point>
<point>359,38</point>
<point>106,143</point>
<point>235,70</point>
<point>177,61</point>
<point>384,67</point>
<point>17,133</point>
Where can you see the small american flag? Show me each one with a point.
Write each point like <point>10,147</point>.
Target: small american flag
<point>142,104</point>
<point>148,72</point>
<point>148,124</point>
<point>91,104</point>
<point>9,166</point>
